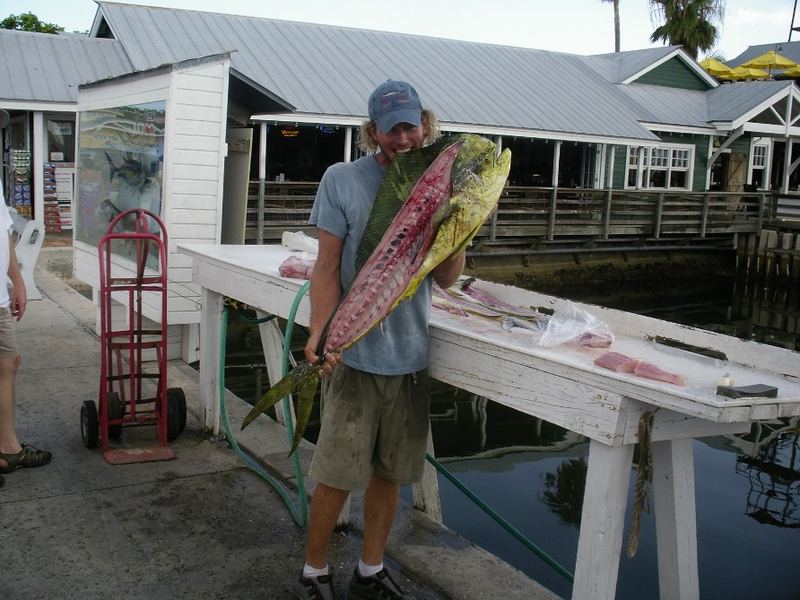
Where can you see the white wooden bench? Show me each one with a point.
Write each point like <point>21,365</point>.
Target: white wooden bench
<point>30,235</point>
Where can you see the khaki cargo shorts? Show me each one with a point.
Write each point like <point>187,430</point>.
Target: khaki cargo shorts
<point>372,423</point>
<point>8,334</point>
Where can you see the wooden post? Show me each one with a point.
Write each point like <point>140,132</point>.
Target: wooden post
<point>640,167</point>
<point>659,210</point>
<point>348,144</point>
<point>787,162</point>
<point>272,346</point>
<point>602,521</point>
<point>556,161</point>
<point>704,217</point>
<point>426,493</point>
<point>676,525</point>
<point>498,142</point>
<point>262,178</point>
<point>551,224</point>
<point>210,334</point>
<point>610,193</point>
<point>37,158</point>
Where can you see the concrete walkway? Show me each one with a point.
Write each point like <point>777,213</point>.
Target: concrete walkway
<point>198,527</point>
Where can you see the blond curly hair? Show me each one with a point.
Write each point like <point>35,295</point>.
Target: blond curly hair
<point>368,142</point>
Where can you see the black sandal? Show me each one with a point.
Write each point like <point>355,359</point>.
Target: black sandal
<point>29,457</point>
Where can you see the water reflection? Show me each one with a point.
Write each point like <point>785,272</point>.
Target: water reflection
<point>771,464</point>
<point>563,490</point>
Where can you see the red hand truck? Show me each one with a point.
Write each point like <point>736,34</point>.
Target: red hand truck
<point>122,401</point>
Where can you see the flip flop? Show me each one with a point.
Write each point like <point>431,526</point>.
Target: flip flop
<point>29,457</point>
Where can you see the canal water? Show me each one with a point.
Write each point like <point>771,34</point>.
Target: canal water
<point>533,473</point>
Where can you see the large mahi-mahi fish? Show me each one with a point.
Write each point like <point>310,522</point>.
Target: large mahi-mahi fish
<point>430,205</point>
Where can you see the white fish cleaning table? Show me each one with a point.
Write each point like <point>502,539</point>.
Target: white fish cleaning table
<point>563,386</point>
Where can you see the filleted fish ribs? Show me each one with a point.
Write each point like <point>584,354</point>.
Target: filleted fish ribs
<point>454,186</point>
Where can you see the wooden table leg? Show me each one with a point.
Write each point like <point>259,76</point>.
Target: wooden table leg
<point>210,332</point>
<point>676,521</point>
<point>602,521</point>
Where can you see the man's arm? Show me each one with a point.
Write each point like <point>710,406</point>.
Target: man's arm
<point>326,288</point>
<point>446,273</point>
<point>19,295</point>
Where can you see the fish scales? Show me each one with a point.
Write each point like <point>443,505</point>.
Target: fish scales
<point>478,177</point>
<point>400,252</point>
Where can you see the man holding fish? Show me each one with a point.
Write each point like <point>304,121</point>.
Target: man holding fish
<point>375,419</point>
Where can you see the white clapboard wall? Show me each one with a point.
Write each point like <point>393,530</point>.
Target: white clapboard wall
<point>196,95</point>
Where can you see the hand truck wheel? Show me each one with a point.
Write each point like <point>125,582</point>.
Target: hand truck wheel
<point>116,410</point>
<point>89,424</point>
<point>176,412</point>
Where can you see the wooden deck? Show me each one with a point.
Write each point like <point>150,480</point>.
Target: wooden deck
<point>542,219</point>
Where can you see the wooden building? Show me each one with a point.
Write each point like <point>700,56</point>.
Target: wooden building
<point>286,99</point>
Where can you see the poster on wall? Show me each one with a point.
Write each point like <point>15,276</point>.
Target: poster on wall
<point>120,166</point>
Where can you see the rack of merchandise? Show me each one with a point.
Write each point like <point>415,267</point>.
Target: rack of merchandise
<point>59,185</point>
<point>20,197</point>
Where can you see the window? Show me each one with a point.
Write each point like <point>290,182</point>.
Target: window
<point>633,166</point>
<point>662,167</point>
<point>758,177</point>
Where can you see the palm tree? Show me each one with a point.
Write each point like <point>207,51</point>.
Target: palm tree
<point>687,23</point>
<point>616,22</point>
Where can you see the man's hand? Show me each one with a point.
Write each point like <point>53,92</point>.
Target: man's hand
<point>331,358</point>
<point>449,270</point>
<point>19,299</point>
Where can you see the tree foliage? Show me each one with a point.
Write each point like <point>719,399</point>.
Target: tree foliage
<point>29,22</point>
<point>687,23</point>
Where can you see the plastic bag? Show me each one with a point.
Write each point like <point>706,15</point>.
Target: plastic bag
<point>572,324</point>
<point>297,240</point>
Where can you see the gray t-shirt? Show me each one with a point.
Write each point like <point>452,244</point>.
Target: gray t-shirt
<point>342,207</point>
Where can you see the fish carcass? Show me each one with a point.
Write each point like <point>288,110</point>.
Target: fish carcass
<point>445,208</point>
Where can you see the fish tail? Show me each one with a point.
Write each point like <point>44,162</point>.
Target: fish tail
<point>307,389</point>
<point>304,374</point>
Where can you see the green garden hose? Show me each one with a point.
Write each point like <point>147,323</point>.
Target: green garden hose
<point>560,569</point>
<point>300,514</point>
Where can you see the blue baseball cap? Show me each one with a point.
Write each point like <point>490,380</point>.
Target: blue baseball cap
<point>395,102</point>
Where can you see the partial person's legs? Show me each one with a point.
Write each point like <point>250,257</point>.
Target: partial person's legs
<point>370,578</point>
<point>326,504</point>
<point>380,506</point>
<point>316,581</point>
<point>13,454</point>
<point>9,444</point>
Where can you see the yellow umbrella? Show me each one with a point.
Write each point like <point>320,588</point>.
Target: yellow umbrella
<point>715,68</point>
<point>770,60</point>
<point>740,73</point>
<point>791,72</point>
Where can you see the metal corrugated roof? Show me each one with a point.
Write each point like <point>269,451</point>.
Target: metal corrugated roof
<point>616,67</point>
<point>43,67</point>
<point>668,105</point>
<point>674,106</point>
<point>730,101</point>
<point>327,70</point>
<point>790,50</point>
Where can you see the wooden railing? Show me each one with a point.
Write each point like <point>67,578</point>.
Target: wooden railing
<point>529,215</point>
